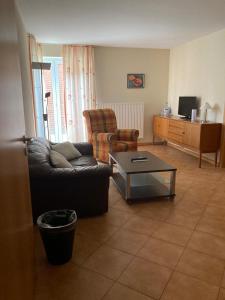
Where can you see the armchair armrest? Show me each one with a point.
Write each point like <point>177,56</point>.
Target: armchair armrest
<point>84,148</point>
<point>127,134</point>
<point>104,137</point>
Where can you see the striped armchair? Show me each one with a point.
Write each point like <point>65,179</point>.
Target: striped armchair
<point>104,135</point>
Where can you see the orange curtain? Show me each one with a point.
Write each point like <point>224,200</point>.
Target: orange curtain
<point>79,76</point>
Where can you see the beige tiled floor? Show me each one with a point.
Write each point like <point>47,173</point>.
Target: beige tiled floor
<point>161,249</point>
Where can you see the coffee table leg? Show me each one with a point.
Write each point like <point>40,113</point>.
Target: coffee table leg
<point>172,182</point>
<point>128,187</point>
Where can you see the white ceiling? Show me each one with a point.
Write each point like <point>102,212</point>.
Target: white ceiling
<point>122,23</point>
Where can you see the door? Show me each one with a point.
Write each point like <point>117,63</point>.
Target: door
<point>163,128</point>
<point>160,127</point>
<point>16,230</point>
<point>192,135</point>
<point>156,121</point>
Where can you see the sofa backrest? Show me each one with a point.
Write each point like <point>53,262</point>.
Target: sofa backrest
<point>38,155</point>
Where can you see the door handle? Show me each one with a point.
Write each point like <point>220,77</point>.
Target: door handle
<point>26,139</point>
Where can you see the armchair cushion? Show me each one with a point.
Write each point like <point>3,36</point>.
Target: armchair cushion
<point>127,134</point>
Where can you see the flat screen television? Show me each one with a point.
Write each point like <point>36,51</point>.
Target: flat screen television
<point>186,104</point>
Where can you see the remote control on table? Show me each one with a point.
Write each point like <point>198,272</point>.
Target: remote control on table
<point>140,158</point>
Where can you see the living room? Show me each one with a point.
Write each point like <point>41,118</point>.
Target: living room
<point>163,248</point>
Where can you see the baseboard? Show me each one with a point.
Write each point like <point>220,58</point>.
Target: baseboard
<point>191,152</point>
<point>144,143</point>
<point>150,143</point>
<point>181,148</point>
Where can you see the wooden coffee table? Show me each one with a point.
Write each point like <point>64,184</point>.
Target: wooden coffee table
<point>147,178</point>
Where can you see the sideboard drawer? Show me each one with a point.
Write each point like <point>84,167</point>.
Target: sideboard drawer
<point>176,130</point>
<point>176,124</point>
<point>175,137</point>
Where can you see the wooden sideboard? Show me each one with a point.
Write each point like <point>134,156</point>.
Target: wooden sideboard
<point>222,154</point>
<point>195,136</point>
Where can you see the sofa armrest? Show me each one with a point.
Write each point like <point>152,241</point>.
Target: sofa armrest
<point>104,137</point>
<point>84,148</point>
<point>127,134</point>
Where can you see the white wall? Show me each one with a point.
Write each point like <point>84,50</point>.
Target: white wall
<point>197,68</point>
<point>112,66</point>
<point>26,78</point>
<point>52,50</point>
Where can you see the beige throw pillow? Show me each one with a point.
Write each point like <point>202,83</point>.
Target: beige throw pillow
<point>58,160</point>
<point>67,149</point>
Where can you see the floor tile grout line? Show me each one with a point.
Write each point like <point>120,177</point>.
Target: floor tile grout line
<point>142,233</point>
<point>136,290</point>
<point>206,254</point>
<point>106,293</point>
<point>196,230</point>
<point>212,234</point>
<point>99,273</point>
<point>101,244</point>
<point>221,281</point>
<point>186,246</point>
<point>165,220</point>
<point>199,279</point>
<point>176,265</point>
<point>157,238</point>
<point>156,263</point>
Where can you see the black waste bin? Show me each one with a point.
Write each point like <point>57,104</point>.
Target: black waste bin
<point>57,228</point>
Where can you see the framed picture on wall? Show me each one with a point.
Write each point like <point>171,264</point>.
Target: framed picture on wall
<point>135,81</point>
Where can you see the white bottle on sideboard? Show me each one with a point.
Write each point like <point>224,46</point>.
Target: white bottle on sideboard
<point>193,115</point>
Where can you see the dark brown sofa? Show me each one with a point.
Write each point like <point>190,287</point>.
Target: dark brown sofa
<point>83,188</point>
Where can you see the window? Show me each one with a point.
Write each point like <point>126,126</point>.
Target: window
<point>54,83</point>
<point>54,126</point>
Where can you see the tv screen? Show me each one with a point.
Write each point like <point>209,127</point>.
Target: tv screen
<point>186,104</point>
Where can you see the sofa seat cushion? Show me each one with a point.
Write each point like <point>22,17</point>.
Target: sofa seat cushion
<point>84,160</point>
<point>67,149</point>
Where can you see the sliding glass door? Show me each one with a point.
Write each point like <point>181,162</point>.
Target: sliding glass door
<point>50,109</point>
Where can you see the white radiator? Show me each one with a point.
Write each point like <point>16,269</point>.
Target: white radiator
<point>128,115</point>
